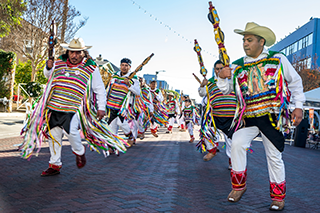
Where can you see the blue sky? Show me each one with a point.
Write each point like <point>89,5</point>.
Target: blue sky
<point>118,29</point>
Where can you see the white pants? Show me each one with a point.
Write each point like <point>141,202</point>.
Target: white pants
<point>116,123</point>
<point>190,128</point>
<point>74,139</point>
<point>181,120</point>
<point>135,128</point>
<point>241,140</point>
<point>171,121</point>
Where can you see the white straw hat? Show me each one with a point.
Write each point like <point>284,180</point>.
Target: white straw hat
<point>77,44</point>
<point>255,29</point>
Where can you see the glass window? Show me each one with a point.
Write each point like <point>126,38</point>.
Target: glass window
<point>283,51</point>
<point>308,63</point>
<point>300,44</point>
<point>304,42</point>
<point>294,47</point>
<point>310,39</point>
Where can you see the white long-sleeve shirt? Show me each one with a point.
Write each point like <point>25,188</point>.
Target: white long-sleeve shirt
<point>290,75</point>
<point>97,85</point>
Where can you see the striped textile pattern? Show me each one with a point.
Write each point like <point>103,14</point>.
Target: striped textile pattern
<point>68,86</point>
<point>172,106</point>
<point>222,105</point>
<point>117,93</point>
<point>187,113</point>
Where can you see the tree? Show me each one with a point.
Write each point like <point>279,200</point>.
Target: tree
<point>310,76</point>
<point>10,15</point>
<point>24,70</point>
<point>35,27</point>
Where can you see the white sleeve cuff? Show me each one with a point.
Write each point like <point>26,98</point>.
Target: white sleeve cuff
<point>299,104</point>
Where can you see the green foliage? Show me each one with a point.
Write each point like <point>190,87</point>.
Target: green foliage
<point>6,66</point>
<point>34,89</point>
<point>10,15</point>
<point>24,70</point>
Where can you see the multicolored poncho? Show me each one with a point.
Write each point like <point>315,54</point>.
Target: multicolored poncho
<point>261,89</point>
<point>69,89</point>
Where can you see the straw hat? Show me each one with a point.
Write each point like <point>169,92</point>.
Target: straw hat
<point>255,29</point>
<point>77,44</point>
<point>171,93</point>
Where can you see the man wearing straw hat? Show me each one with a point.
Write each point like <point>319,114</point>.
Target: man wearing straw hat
<point>70,75</point>
<point>265,82</point>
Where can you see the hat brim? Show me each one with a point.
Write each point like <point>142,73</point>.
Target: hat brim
<point>264,32</point>
<point>67,47</point>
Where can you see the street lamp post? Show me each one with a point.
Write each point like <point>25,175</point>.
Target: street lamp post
<point>157,72</point>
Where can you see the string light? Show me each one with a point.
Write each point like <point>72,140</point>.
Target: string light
<point>167,26</point>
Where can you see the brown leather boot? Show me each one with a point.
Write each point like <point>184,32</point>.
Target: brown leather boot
<point>277,205</point>
<point>235,196</point>
<point>210,155</point>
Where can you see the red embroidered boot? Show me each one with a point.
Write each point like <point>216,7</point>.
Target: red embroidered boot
<point>81,159</point>
<point>51,170</point>
<point>169,129</point>
<point>154,132</point>
<point>191,139</point>
<point>238,180</point>
<point>277,194</point>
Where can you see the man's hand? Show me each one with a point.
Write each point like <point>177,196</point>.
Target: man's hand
<point>296,116</point>
<point>204,82</point>
<point>49,64</point>
<point>225,73</point>
<point>127,82</point>
<point>100,114</point>
<point>151,114</point>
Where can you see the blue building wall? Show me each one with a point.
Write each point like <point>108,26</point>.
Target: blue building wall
<point>302,44</point>
<point>160,83</point>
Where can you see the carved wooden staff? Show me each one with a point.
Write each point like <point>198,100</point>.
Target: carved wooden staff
<point>52,40</point>
<point>140,66</point>
<point>218,35</point>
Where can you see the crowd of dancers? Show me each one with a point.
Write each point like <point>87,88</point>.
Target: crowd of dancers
<point>249,98</point>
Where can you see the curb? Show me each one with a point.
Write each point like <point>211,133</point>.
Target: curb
<point>12,115</point>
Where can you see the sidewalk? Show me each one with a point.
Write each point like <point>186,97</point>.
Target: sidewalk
<point>164,174</point>
<point>11,124</point>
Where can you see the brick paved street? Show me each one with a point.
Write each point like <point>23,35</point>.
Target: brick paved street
<point>166,174</point>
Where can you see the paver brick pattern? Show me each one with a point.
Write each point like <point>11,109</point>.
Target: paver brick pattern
<point>164,174</point>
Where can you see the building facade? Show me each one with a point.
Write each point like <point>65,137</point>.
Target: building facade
<point>301,45</point>
<point>160,83</point>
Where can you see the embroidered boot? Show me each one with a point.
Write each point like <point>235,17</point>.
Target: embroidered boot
<point>277,194</point>
<point>211,153</point>
<point>81,159</point>
<point>51,170</point>
<point>239,187</point>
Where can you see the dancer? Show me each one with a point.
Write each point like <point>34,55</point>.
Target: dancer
<point>189,117</point>
<point>223,109</point>
<point>263,83</point>
<point>66,107</point>
<point>145,117</point>
<point>173,107</point>
<point>117,92</point>
<point>160,115</point>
